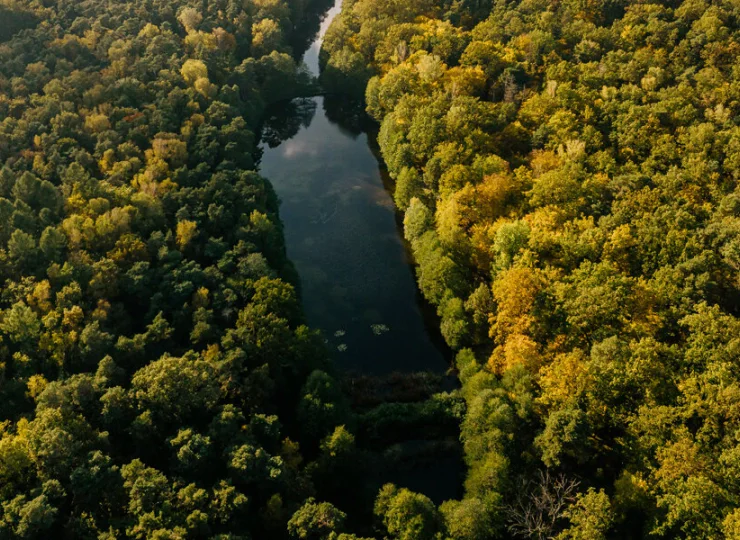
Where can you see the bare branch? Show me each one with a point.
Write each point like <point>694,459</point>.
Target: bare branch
<point>539,505</point>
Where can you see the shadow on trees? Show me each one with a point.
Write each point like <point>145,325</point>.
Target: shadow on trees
<point>14,20</point>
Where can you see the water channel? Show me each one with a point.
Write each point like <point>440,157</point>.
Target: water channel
<point>342,234</point>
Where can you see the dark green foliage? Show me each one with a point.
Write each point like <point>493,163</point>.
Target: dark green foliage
<point>407,515</point>
<point>152,352</point>
<point>315,521</point>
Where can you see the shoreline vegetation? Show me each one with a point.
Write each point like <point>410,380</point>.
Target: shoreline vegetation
<point>568,175</point>
<point>156,376</point>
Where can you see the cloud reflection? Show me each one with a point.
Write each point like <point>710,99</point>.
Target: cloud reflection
<point>298,148</point>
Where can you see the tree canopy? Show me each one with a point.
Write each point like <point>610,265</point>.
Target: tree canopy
<point>153,352</point>
<point>568,173</point>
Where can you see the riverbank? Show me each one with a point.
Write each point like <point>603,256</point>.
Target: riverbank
<point>344,236</point>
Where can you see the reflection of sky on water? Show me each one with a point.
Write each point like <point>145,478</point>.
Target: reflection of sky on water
<point>293,149</point>
<point>311,58</point>
<point>341,234</point>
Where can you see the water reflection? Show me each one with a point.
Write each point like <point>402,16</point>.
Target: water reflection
<point>341,234</point>
<point>311,56</point>
<point>348,114</point>
<point>311,23</point>
<point>294,115</point>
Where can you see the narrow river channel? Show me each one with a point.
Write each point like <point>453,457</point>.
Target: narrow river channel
<point>342,234</point>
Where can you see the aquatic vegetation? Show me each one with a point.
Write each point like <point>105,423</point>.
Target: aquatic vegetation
<point>379,329</point>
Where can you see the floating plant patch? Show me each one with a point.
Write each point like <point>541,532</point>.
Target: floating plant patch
<point>379,329</point>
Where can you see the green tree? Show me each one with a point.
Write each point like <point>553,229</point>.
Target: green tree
<point>316,520</point>
<point>408,515</point>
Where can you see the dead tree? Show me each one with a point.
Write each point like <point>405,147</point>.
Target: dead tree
<point>538,509</point>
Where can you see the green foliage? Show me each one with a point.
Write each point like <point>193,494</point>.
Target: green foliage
<point>407,515</point>
<point>565,434</point>
<point>27,518</point>
<point>396,421</point>
<point>590,517</point>
<point>323,407</point>
<point>454,323</point>
<point>567,173</point>
<point>469,519</point>
<point>149,338</point>
<point>174,388</point>
<point>314,521</point>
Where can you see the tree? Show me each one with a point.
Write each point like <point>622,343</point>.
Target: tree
<point>565,435</point>
<point>417,220</point>
<point>590,516</point>
<point>97,486</point>
<point>172,389</point>
<point>190,18</point>
<point>541,505</point>
<point>322,407</point>
<point>52,244</point>
<point>407,515</point>
<point>22,249</point>
<point>469,519</point>
<point>186,231</point>
<point>28,518</point>
<point>21,324</point>
<point>267,37</point>
<point>316,520</point>
<point>454,325</point>
<point>193,71</point>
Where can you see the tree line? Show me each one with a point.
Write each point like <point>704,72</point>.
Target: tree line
<point>157,379</point>
<point>568,177</point>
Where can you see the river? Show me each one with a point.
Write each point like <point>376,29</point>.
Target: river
<point>343,236</point>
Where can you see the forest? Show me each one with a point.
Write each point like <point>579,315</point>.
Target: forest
<point>567,176</point>
<point>157,379</point>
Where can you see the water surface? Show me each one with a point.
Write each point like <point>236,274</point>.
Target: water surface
<point>342,235</point>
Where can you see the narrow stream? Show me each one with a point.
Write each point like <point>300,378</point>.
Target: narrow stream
<point>342,234</point>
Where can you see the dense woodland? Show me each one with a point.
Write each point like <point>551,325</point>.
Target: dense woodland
<point>568,172</point>
<point>156,377</point>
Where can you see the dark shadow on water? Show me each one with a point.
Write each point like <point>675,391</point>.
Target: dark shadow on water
<point>343,234</point>
<point>284,121</point>
<point>438,474</point>
<point>348,114</point>
<point>307,28</point>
